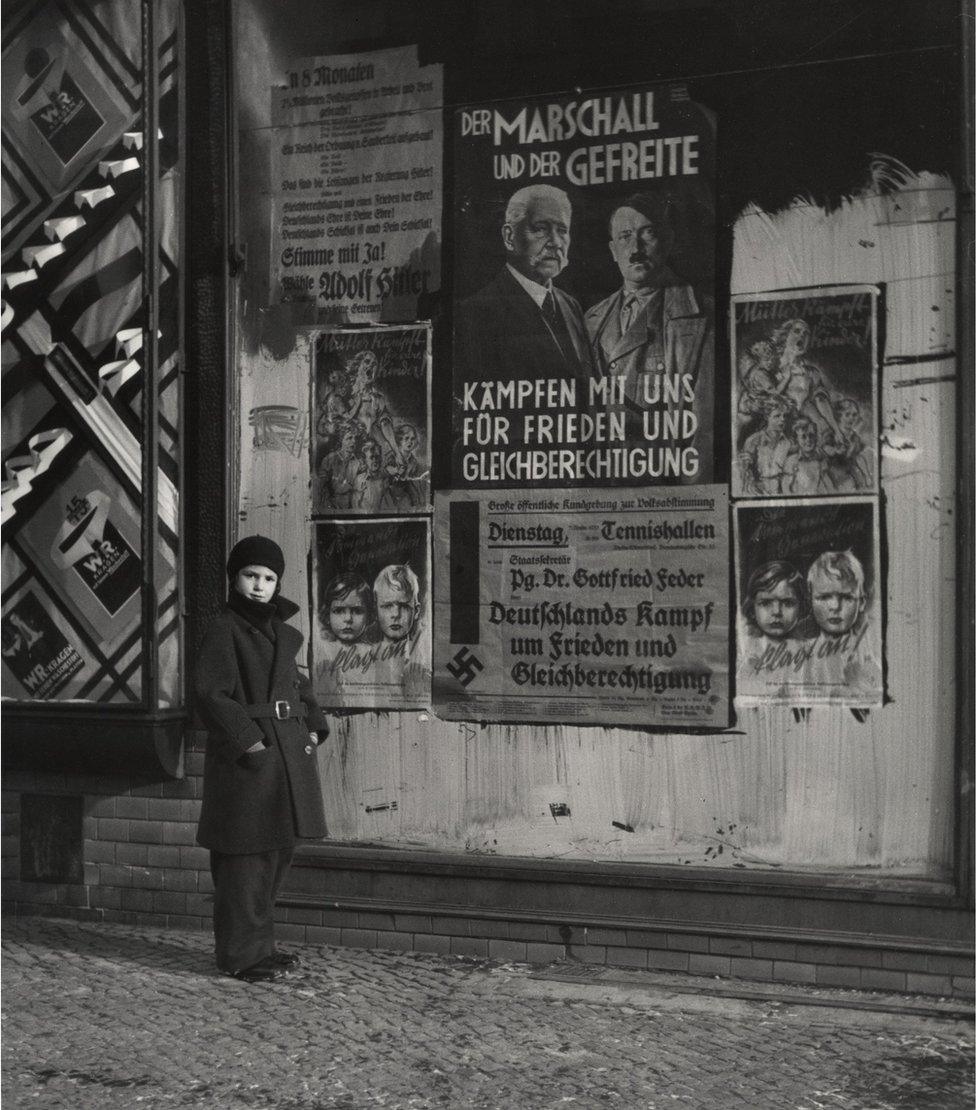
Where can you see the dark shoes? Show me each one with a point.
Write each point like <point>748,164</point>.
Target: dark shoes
<point>264,971</point>
<point>288,960</point>
<point>270,969</point>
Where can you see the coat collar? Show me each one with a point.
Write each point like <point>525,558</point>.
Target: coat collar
<point>286,608</point>
<point>282,639</point>
<point>280,607</point>
<point>673,300</point>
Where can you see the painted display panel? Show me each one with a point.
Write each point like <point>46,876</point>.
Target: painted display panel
<point>75,354</point>
<point>823,789</point>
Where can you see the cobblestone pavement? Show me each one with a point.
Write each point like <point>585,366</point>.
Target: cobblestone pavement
<point>109,1016</point>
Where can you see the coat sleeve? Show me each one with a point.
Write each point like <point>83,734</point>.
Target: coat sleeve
<point>315,719</point>
<point>215,683</point>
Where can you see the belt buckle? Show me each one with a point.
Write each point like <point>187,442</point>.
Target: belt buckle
<point>282,710</point>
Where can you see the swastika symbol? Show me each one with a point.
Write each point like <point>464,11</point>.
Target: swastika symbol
<point>465,666</point>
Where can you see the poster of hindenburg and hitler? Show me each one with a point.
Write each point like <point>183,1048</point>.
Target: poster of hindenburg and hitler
<point>583,607</point>
<point>356,181</point>
<point>371,613</point>
<point>810,603</point>
<point>804,392</point>
<point>584,291</point>
<point>370,441</point>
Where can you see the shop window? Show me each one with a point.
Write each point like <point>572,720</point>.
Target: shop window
<point>850,772</point>
<point>92,344</point>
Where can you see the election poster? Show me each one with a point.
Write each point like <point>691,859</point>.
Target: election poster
<point>804,392</point>
<point>371,601</point>
<point>39,660</point>
<point>370,439</point>
<point>588,607</point>
<point>583,298</point>
<point>809,609</point>
<point>356,180</point>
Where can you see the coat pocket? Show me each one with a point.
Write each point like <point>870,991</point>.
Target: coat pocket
<point>253,761</point>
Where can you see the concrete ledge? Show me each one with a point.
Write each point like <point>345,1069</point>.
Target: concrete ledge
<point>767,941</point>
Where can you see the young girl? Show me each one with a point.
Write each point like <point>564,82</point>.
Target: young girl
<point>347,607</point>
<point>261,790</point>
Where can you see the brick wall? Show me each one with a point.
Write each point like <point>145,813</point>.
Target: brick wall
<point>142,867</point>
<point>141,861</point>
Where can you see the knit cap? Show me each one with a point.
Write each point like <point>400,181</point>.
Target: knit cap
<point>255,551</point>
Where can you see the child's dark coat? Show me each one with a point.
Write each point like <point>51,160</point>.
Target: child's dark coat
<point>256,802</point>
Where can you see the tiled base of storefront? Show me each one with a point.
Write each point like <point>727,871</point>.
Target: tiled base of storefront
<point>894,969</point>
<point>136,862</point>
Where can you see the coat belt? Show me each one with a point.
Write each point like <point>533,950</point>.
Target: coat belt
<point>279,710</point>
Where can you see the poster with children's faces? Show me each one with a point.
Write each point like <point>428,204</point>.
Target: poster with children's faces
<point>804,392</point>
<point>370,441</point>
<point>371,589</point>
<point>808,627</point>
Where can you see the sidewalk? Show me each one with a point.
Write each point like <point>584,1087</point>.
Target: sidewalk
<point>110,1016</point>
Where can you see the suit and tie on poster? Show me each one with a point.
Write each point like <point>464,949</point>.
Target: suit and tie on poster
<point>583,291</point>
